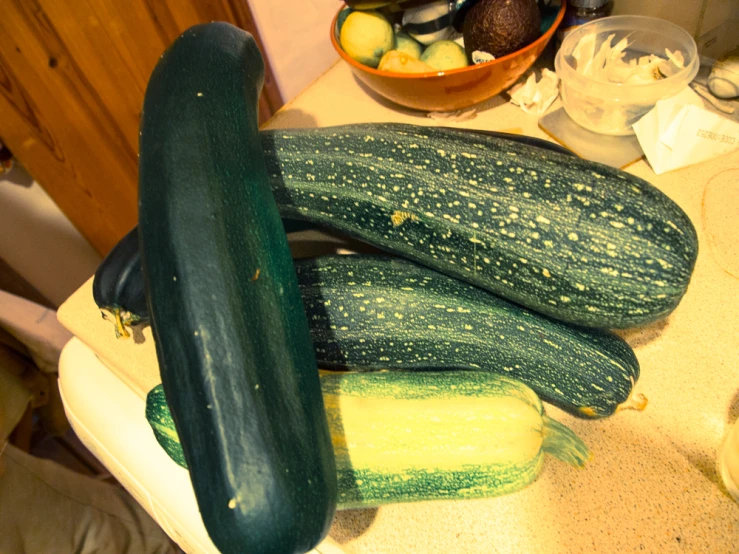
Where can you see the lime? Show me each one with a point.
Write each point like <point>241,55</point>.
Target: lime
<point>408,45</point>
<point>444,55</point>
<point>366,36</point>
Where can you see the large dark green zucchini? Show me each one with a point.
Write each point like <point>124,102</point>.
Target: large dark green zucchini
<point>570,238</point>
<point>575,240</point>
<point>118,286</point>
<point>371,313</point>
<point>232,340</point>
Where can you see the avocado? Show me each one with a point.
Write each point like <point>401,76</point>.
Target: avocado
<point>500,27</point>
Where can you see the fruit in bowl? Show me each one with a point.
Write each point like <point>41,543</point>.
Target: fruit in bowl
<point>408,45</point>
<point>427,83</point>
<point>366,36</point>
<point>454,34</point>
<point>500,27</point>
<point>445,54</point>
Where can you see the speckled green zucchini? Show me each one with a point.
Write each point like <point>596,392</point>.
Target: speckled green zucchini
<point>374,312</point>
<point>407,436</point>
<point>575,240</point>
<point>160,418</point>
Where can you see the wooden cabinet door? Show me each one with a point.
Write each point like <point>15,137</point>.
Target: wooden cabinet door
<point>72,80</point>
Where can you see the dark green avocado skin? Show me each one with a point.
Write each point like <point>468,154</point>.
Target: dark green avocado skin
<point>500,27</point>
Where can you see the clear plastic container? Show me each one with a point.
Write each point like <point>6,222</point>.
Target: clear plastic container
<point>612,108</point>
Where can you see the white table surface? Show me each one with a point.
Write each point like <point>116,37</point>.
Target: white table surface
<point>653,484</point>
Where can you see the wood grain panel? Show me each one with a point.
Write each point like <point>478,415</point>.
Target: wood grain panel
<point>72,80</point>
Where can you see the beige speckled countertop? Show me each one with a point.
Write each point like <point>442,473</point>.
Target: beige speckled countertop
<point>653,483</point>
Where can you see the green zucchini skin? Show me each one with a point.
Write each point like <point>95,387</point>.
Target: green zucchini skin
<point>373,312</point>
<point>522,139</point>
<point>118,285</point>
<point>232,341</point>
<point>391,430</point>
<point>162,423</point>
<point>572,239</point>
<point>575,240</point>
<point>367,313</point>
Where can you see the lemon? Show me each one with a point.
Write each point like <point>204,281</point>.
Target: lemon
<point>408,45</point>
<point>444,55</point>
<point>366,36</point>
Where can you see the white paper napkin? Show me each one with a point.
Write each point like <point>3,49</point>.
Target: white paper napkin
<point>535,97</point>
<point>679,132</point>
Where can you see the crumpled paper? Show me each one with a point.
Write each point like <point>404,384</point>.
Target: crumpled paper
<point>679,132</point>
<point>455,116</point>
<point>535,97</point>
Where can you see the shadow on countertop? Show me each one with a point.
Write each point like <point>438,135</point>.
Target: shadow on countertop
<point>350,524</point>
<point>641,336</point>
<point>298,119</point>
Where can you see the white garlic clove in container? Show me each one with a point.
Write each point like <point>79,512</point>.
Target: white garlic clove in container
<point>675,62</point>
<point>724,78</point>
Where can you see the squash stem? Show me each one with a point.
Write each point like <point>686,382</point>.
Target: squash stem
<point>633,402</point>
<point>120,328</point>
<point>562,443</point>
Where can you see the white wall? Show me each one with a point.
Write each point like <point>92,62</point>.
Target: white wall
<point>38,241</point>
<point>711,22</point>
<point>296,36</point>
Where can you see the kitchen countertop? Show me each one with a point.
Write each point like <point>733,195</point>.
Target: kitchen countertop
<point>653,484</point>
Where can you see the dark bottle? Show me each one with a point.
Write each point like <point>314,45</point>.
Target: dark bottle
<point>580,12</point>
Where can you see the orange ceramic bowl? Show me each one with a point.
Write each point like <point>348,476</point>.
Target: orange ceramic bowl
<point>454,89</point>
